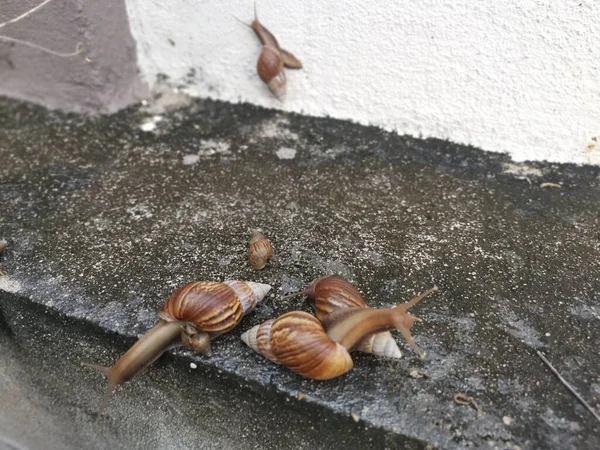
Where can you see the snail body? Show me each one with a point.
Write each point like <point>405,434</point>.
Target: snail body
<point>260,250</point>
<point>319,350</point>
<point>330,293</point>
<point>190,317</point>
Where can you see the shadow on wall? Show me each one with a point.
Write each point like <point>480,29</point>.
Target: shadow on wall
<point>99,75</point>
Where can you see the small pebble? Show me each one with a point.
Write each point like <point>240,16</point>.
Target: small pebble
<point>355,417</point>
<point>416,373</point>
<point>286,153</point>
<point>193,365</point>
<point>3,245</point>
<point>547,334</point>
<point>150,124</point>
<point>507,420</point>
<point>188,160</point>
<point>300,396</point>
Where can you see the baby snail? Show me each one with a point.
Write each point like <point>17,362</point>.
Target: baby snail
<point>191,317</point>
<point>260,250</point>
<point>330,293</point>
<point>319,350</point>
<point>272,59</point>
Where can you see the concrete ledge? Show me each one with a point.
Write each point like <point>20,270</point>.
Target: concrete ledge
<point>106,216</point>
<point>172,406</point>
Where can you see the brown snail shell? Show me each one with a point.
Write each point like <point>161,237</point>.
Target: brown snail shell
<point>298,341</point>
<point>334,292</point>
<point>213,307</point>
<point>270,70</point>
<point>260,250</point>
<point>190,317</point>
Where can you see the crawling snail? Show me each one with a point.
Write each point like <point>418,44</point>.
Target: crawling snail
<point>191,317</point>
<point>260,250</point>
<point>320,349</point>
<point>272,59</point>
<point>327,294</point>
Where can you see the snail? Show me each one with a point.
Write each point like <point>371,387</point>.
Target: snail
<point>260,250</point>
<point>319,350</point>
<point>330,293</point>
<point>191,317</point>
<point>272,59</point>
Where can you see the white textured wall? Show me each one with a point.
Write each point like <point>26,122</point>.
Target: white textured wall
<point>516,76</point>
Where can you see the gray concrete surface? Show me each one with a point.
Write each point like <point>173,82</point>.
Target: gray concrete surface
<point>104,78</point>
<point>49,400</point>
<point>104,220</point>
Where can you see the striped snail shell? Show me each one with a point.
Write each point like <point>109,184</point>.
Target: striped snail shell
<point>299,342</point>
<point>260,250</point>
<point>211,307</point>
<point>330,293</point>
<point>191,317</point>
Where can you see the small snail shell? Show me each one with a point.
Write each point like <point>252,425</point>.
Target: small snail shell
<point>333,292</point>
<point>190,317</point>
<point>298,341</point>
<point>270,70</point>
<point>260,250</point>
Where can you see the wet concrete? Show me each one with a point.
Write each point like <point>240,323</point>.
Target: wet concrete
<point>106,216</point>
